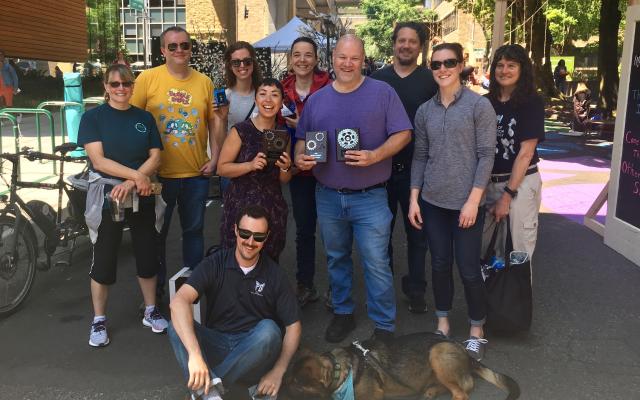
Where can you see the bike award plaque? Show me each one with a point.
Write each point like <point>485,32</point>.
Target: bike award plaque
<point>316,145</point>
<point>346,139</point>
<point>275,142</point>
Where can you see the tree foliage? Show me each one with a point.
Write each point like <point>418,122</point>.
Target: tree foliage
<point>382,15</point>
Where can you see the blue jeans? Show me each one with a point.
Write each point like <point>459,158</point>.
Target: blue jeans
<point>191,196</point>
<point>303,202</point>
<point>245,356</point>
<point>365,217</point>
<point>398,192</point>
<point>446,238</point>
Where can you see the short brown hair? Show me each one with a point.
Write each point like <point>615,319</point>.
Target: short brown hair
<point>177,29</point>
<point>125,74</point>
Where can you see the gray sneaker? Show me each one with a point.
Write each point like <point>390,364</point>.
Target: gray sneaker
<point>475,347</point>
<point>155,321</point>
<point>98,334</point>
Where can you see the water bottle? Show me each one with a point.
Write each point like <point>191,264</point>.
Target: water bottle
<point>497,263</point>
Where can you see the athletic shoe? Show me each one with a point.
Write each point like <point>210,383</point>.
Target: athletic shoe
<point>417,304</point>
<point>155,321</point>
<point>475,347</point>
<point>341,325</point>
<point>306,295</point>
<point>98,334</point>
<point>382,335</point>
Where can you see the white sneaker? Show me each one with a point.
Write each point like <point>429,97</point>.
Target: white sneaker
<point>155,321</point>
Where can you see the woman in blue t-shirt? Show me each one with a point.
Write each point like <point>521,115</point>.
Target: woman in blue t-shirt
<point>124,145</point>
<point>515,187</point>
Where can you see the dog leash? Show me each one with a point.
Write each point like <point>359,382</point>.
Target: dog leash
<point>375,363</point>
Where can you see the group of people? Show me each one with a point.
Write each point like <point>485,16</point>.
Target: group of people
<point>455,162</point>
<point>8,82</point>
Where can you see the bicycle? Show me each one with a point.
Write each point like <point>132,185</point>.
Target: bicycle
<point>19,247</point>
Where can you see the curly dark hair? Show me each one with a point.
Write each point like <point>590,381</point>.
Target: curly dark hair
<point>416,26</point>
<point>525,87</point>
<point>256,76</point>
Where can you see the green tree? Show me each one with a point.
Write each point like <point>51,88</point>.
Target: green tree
<point>382,15</point>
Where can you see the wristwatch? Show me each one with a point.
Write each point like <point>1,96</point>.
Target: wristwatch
<point>512,193</point>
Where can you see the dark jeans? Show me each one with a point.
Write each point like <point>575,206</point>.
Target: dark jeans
<point>303,201</point>
<point>446,238</point>
<point>190,194</point>
<point>398,192</point>
<point>245,356</point>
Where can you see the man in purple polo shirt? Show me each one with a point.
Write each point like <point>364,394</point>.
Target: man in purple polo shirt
<point>351,198</point>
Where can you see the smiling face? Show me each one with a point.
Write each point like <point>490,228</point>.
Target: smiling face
<point>507,73</point>
<point>268,101</point>
<point>118,96</point>
<point>248,250</point>
<point>179,57</point>
<point>407,46</point>
<point>242,71</point>
<point>348,59</point>
<point>303,59</point>
<point>446,77</point>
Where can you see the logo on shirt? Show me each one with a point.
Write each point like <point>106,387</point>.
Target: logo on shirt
<point>140,127</point>
<point>179,97</point>
<point>506,139</point>
<point>259,288</point>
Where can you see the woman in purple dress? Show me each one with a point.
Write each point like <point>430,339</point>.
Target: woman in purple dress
<point>253,179</point>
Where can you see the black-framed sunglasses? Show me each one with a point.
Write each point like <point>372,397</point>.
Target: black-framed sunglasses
<point>257,236</point>
<point>174,46</point>
<point>246,61</point>
<point>116,84</point>
<point>448,63</point>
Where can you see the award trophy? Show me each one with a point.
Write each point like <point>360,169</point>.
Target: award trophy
<point>346,139</point>
<point>316,145</point>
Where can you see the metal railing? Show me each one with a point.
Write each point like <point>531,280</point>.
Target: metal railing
<point>62,105</point>
<point>37,112</point>
<point>16,133</point>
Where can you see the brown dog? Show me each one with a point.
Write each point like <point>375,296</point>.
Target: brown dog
<point>421,365</point>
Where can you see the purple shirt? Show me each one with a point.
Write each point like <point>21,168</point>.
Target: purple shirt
<point>375,109</point>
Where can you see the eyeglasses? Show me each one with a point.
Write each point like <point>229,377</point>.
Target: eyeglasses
<point>448,63</point>
<point>257,236</point>
<point>116,84</point>
<point>174,46</point>
<point>246,61</point>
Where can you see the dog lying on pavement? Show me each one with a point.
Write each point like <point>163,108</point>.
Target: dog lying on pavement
<point>420,365</point>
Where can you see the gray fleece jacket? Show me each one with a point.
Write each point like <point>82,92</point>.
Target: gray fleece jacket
<point>454,148</point>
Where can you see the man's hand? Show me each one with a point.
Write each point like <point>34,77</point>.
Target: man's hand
<point>209,168</point>
<point>501,209</point>
<point>121,191</point>
<point>361,158</point>
<point>270,383</point>
<point>143,184</point>
<point>305,162</point>
<point>198,374</point>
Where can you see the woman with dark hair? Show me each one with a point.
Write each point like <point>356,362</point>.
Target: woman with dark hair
<point>305,79</point>
<point>124,146</point>
<point>452,160</point>
<point>515,187</point>
<point>253,179</point>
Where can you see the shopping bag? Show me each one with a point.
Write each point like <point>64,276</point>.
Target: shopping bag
<point>509,293</point>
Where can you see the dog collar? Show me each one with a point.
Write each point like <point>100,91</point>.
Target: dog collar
<point>337,369</point>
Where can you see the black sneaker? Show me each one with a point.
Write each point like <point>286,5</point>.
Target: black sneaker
<point>340,326</point>
<point>417,304</point>
<point>306,295</point>
<point>475,347</point>
<point>382,335</point>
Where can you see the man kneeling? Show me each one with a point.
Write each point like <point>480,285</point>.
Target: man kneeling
<point>249,300</point>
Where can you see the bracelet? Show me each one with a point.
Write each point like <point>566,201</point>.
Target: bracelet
<point>286,170</point>
<point>512,193</point>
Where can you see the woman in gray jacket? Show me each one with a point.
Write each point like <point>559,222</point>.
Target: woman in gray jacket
<point>454,151</point>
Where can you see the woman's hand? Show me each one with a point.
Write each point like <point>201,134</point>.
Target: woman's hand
<point>284,163</point>
<point>292,122</point>
<point>415,215</point>
<point>259,162</point>
<point>468,215</point>
<point>221,111</point>
<point>120,192</point>
<point>143,184</point>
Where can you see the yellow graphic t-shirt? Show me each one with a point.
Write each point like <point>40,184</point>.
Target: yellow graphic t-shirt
<point>182,109</point>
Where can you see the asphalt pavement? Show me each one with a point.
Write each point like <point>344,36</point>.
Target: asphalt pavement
<point>583,343</point>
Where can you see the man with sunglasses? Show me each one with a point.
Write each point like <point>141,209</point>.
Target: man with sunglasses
<point>414,85</point>
<point>181,101</point>
<point>250,302</point>
<point>351,198</point>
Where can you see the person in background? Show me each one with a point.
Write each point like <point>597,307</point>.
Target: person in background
<point>181,101</point>
<point>121,59</point>
<point>560,76</point>
<point>581,109</point>
<point>243,75</point>
<point>454,150</point>
<point>306,78</point>
<point>123,144</point>
<point>515,187</point>
<point>8,82</point>
<point>254,180</point>
<point>414,85</point>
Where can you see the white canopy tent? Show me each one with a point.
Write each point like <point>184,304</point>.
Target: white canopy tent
<point>280,41</point>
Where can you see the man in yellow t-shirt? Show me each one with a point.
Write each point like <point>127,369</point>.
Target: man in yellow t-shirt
<point>181,101</point>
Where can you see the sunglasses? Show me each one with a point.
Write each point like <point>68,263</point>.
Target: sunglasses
<point>448,63</point>
<point>246,61</point>
<point>174,46</point>
<point>116,84</point>
<point>257,236</point>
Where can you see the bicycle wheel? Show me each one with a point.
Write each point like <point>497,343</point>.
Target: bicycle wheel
<point>17,270</point>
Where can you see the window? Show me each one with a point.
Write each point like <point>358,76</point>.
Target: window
<point>450,22</point>
<point>156,30</point>
<point>129,31</point>
<point>181,15</point>
<point>156,15</point>
<point>169,15</point>
<point>131,46</point>
<point>168,3</point>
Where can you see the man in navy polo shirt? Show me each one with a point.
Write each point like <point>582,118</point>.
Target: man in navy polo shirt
<point>249,303</point>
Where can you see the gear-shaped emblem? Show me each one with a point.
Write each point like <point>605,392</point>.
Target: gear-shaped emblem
<point>347,139</point>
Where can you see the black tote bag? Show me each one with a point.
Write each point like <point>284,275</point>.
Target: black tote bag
<point>509,293</point>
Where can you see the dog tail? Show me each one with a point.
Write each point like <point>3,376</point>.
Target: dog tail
<point>502,381</point>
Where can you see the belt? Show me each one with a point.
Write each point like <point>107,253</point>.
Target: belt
<point>352,191</point>
<point>505,178</point>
